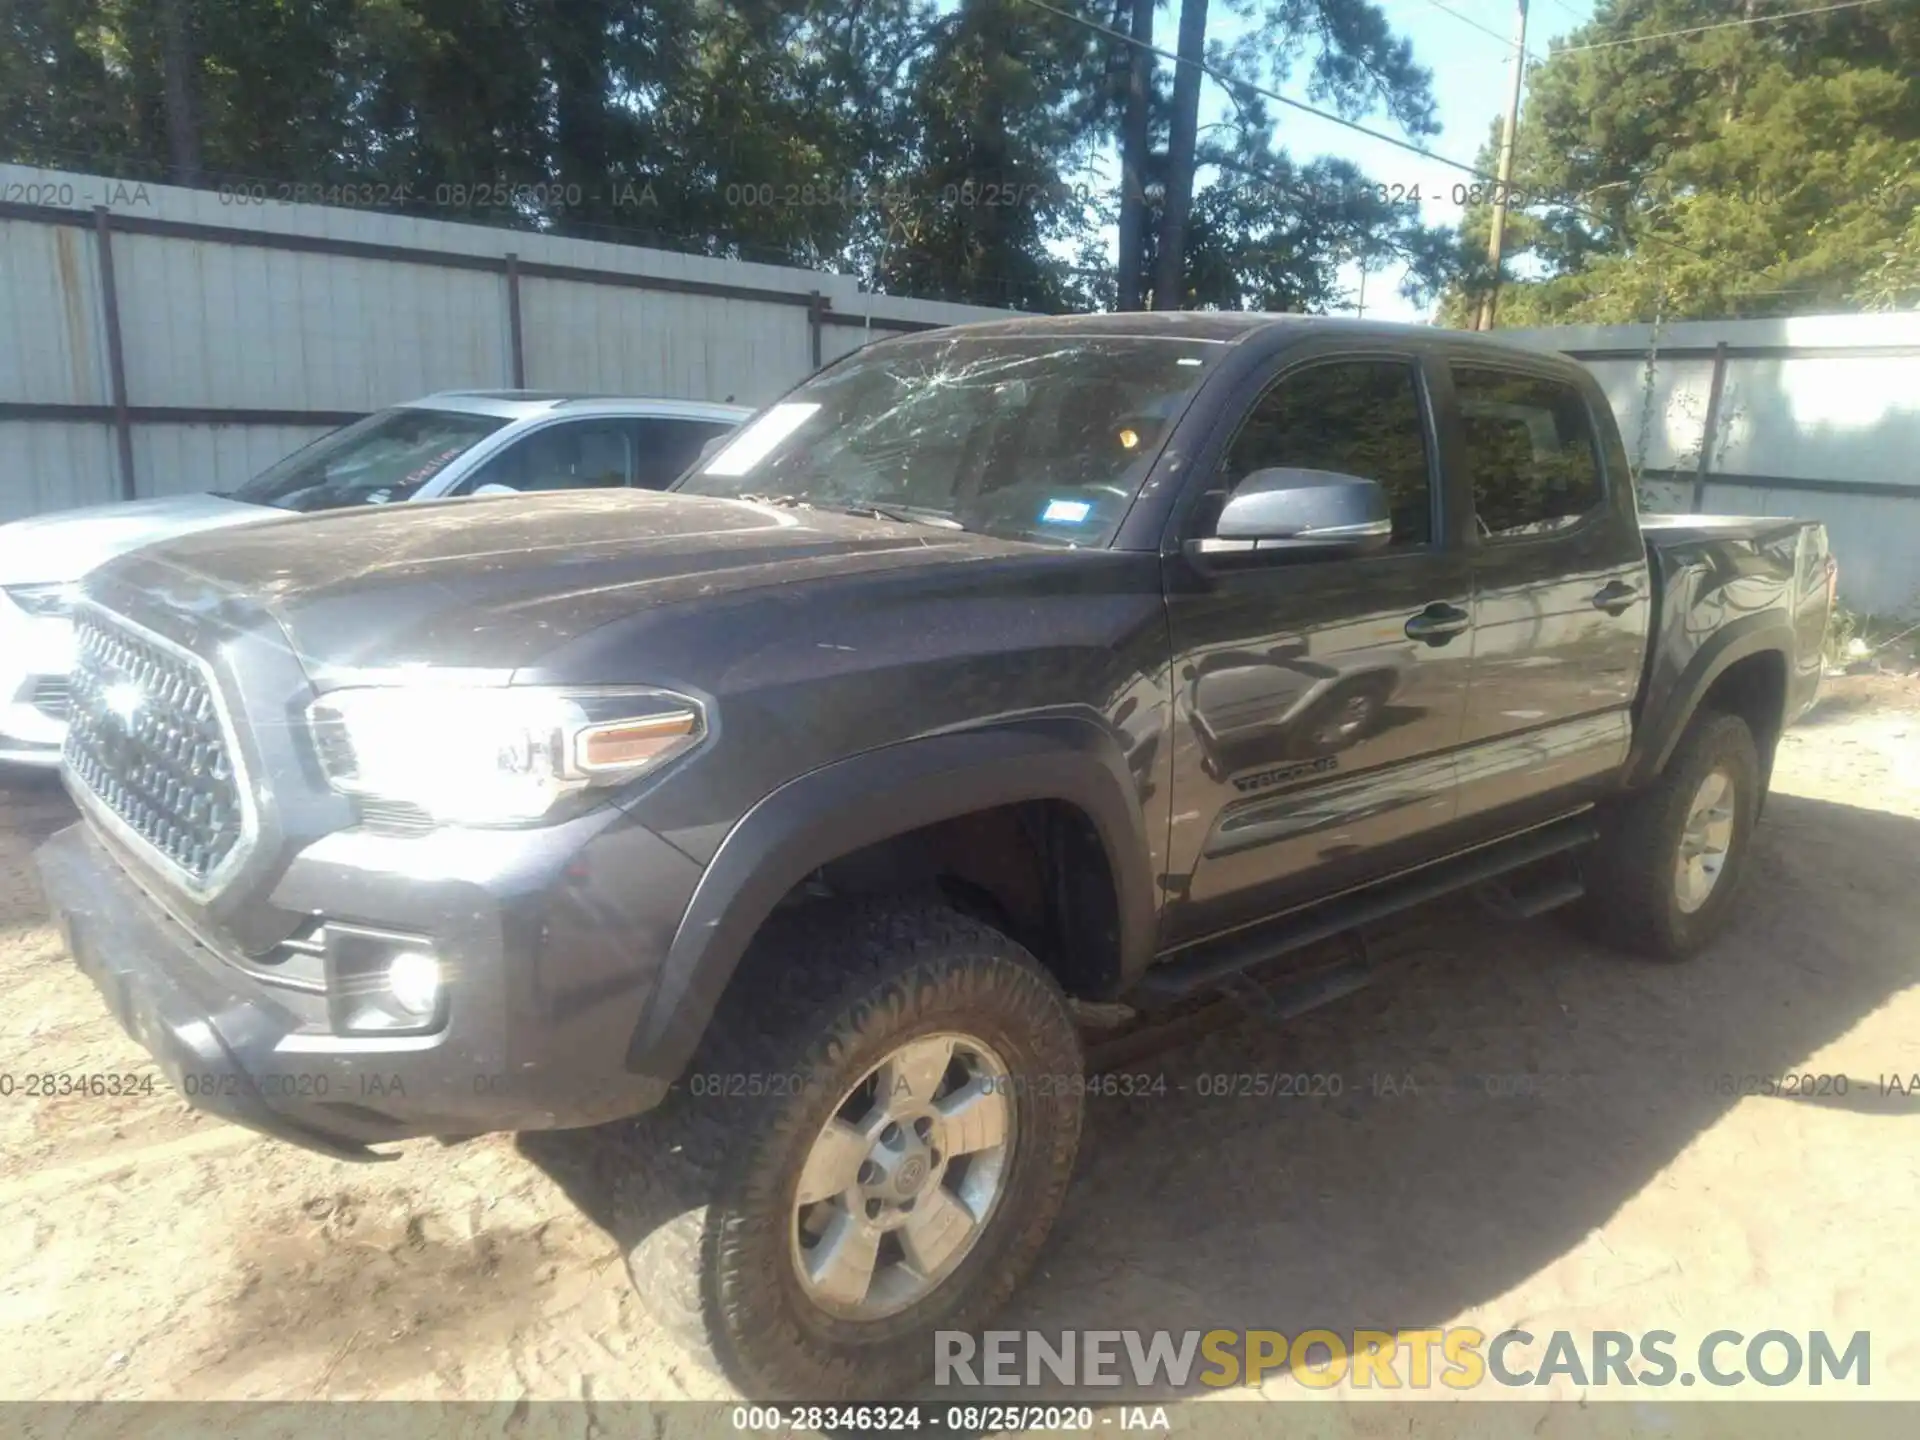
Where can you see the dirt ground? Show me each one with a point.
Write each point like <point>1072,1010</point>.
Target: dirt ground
<point>1529,1131</point>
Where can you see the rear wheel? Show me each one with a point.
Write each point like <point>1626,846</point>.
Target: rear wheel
<point>883,1133</point>
<point>1663,877</point>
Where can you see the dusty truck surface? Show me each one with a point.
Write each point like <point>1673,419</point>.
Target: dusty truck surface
<point>992,673</point>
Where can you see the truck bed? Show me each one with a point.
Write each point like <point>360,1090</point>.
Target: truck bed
<point>1716,577</point>
<point>1676,527</point>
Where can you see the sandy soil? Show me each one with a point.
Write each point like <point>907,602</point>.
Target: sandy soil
<point>1528,1131</point>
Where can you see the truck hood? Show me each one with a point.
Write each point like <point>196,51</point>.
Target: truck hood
<point>491,585</point>
<point>48,549</point>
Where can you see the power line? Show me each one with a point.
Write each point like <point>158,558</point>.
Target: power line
<point>1717,25</point>
<point>1446,9</point>
<point>1234,82</point>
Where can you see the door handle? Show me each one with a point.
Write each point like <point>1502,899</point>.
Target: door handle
<point>1615,597</point>
<point>1438,623</point>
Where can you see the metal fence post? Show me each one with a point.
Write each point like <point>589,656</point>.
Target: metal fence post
<point>1710,431</point>
<point>816,322</point>
<point>517,354</point>
<point>116,355</point>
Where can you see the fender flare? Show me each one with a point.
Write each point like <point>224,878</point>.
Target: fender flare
<point>1660,728</point>
<point>839,808</point>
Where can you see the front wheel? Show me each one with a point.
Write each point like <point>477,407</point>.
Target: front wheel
<point>1663,877</point>
<point>888,1118</point>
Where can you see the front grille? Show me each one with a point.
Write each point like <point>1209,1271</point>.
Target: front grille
<point>53,696</point>
<point>146,739</point>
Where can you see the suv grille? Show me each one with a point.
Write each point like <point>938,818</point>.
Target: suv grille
<point>146,739</point>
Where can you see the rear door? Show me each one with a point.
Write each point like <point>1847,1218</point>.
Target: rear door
<point>1561,591</point>
<point>1314,734</point>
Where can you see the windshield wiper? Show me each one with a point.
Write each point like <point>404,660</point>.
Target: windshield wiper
<point>899,514</point>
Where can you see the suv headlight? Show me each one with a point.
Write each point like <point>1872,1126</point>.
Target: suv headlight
<point>470,755</point>
<point>51,599</point>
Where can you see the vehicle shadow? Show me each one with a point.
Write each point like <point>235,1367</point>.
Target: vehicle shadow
<point>1495,1102</point>
<point>33,806</point>
<point>35,803</point>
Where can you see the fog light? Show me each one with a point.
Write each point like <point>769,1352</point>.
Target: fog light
<point>413,980</point>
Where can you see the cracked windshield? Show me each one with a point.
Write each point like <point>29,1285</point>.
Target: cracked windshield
<point>1045,440</point>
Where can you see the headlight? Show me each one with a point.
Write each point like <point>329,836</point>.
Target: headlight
<point>52,599</point>
<point>495,756</point>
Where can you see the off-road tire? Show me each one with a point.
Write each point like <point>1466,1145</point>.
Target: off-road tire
<point>1631,899</point>
<point>821,997</point>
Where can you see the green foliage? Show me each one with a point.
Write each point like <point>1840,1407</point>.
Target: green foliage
<point>1268,232</point>
<point>1748,171</point>
<point>951,148</point>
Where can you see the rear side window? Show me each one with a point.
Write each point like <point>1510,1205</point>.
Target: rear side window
<point>576,455</point>
<point>1530,450</point>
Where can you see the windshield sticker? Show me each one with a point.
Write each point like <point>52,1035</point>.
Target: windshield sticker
<point>432,465</point>
<point>1066,512</point>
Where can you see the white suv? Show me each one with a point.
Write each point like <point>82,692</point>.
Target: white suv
<point>458,443</point>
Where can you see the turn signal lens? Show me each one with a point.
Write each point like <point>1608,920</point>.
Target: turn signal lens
<point>627,743</point>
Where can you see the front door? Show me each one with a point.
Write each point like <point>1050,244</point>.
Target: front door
<point>1317,701</point>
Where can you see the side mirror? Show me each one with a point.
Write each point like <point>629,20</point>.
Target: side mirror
<point>496,489</point>
<point>1301,513</point>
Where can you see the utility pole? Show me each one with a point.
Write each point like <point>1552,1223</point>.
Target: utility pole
<point>1496,241</point>
<point>1133,158</point>
<point>1182,136</point>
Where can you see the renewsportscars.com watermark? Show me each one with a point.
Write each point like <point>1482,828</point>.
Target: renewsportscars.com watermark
<point>1460,1358</point>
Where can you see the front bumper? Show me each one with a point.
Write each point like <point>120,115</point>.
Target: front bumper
<point>551,939</point>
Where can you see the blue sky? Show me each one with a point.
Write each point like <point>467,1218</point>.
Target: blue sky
<point>1470,79</point>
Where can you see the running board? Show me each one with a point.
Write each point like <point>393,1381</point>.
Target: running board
<point>1206,966</point>
<point>1512,904</point>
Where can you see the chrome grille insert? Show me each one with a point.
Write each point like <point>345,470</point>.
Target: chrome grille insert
<point>148,742</point>
<point>394,817</point>
<point>52,696</point>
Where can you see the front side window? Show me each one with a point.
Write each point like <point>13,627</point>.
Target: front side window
<point>582,455</point>
<point>664,447</point>
<point>1352,417</point>
<point>1040,438</point>
<point>1530,450</point>
<point>384,458</point>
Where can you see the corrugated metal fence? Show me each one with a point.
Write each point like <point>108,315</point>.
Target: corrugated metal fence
<point>155,340</point>
<point>1817,416</point>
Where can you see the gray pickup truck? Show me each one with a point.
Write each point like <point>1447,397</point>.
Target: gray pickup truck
<point>990,674</point>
